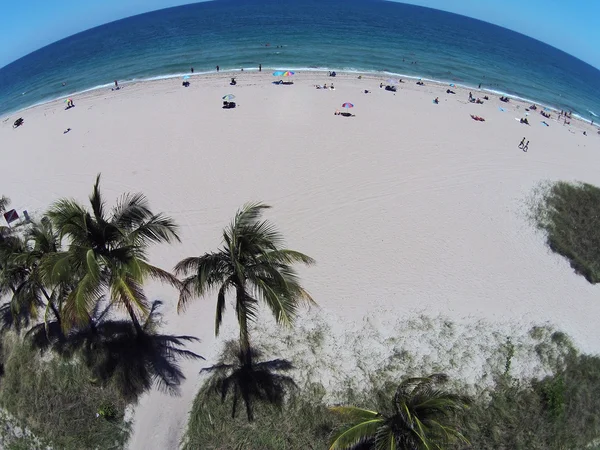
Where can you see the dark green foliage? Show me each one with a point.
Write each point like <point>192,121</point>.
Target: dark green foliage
<point>420,415</point>
<point>559,412</point>
<point>553,394</point>
<point>570,215</point>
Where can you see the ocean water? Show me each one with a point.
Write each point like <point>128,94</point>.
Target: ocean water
<point>348,35</point>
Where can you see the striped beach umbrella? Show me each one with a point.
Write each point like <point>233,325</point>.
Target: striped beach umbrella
<point>347,105</point>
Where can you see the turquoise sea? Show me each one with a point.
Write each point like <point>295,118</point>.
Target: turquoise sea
<point>344,35</point>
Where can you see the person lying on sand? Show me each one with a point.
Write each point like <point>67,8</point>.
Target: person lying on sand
<point>477,118</point>
<point>525,121</point>
<point>448,91</point>
<point>66,131</point>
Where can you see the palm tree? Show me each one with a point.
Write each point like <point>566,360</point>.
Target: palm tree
<point>420,416</point>
<point>248,380</point>
<point>107,253</point>
<point>22,255</point>
<point>251,264</point>
<point>20,308</point>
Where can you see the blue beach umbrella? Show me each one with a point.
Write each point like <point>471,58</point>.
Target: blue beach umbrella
<point>279,73</point>
<point>186,77</point>
<point>228,97</point>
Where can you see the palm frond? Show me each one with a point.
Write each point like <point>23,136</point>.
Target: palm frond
<point>220,307</point>
<point>127,292</point>
<point>284,256</point>
<point>156,229</point>
<point>131,210</point>
<point>81,300</point>
<point>205,273</point>
<point>97,202</point>
<point>357,433</point>
<point>159,274</point>
<point>69,218</point>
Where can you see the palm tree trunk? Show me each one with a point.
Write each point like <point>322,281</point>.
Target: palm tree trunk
<point>243,320</point>
<point>52,306</point>
<point>134,319</point>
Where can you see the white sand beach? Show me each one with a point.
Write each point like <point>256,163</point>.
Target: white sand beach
<point>408,207</point>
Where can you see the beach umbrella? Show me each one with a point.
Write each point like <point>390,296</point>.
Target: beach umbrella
<point>391,81</point>
<point>347,106</point>
<point>67,100</point>
<point>288,73</point>
<point>228,97</point>
<point>278,73</point>
<point>187,77</point>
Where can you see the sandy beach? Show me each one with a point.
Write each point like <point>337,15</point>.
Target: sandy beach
<point>408,207</point>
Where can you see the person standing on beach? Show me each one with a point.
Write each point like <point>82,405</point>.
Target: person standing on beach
<point>217,68</point>
<point>522,144</point>
<point>260,67</point>
<point>192,70</point>
<point>526,147</point>
<point>116,84</point>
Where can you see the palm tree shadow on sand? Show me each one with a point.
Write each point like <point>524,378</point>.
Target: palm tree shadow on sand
<point>240,374</point>
<point>134,358</point>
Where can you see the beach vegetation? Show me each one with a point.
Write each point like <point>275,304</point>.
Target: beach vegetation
<point>569,214</point>
<point>554,410</point>
<point>420,415</point>
<point>72,285</point>
<point>57,402</point>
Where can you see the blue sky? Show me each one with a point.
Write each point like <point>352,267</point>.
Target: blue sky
<point>570,25</point>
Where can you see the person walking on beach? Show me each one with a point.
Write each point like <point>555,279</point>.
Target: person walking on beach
<point>470,96</point>
<point>260,67</point>
<point>116,84</point>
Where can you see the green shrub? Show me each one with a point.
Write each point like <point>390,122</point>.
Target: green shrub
<point>570,215</point>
